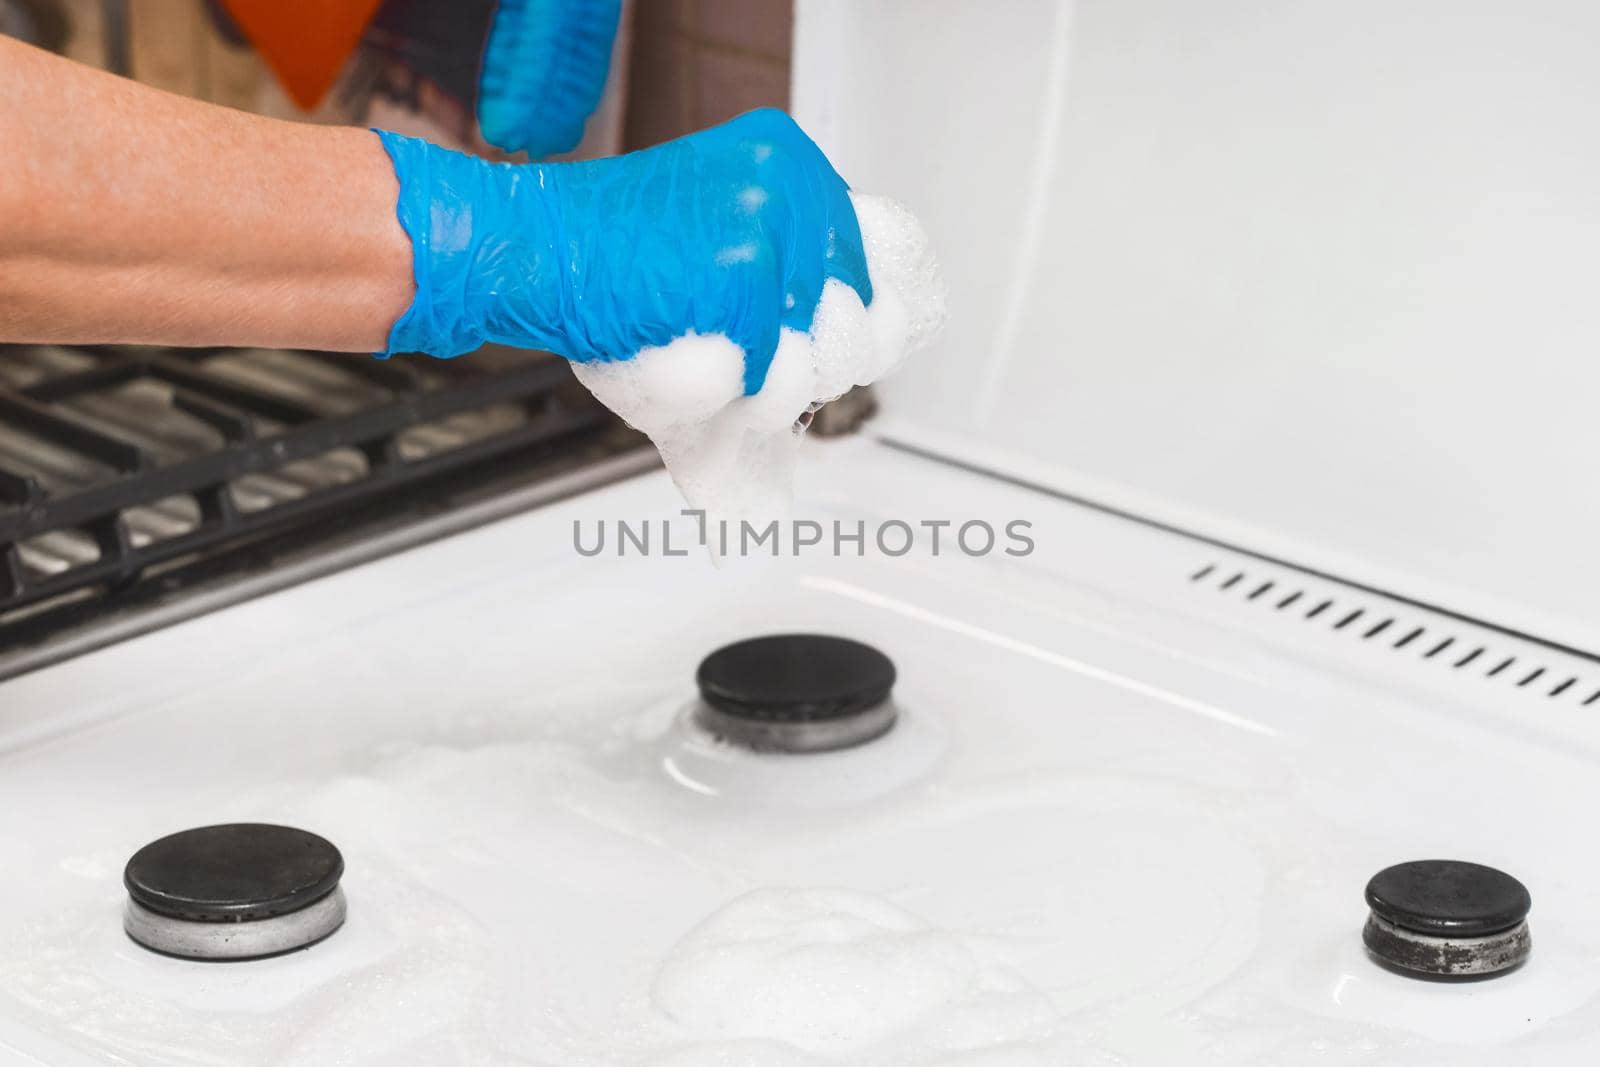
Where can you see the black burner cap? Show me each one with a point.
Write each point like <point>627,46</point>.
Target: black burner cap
<point>1448,898</point>
<point>795,678</point>
<point>235,872</point>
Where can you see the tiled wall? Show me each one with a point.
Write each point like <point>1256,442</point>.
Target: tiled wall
<point>698,62</point>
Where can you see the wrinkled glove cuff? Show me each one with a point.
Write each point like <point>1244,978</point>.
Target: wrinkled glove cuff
<point>435,210</point>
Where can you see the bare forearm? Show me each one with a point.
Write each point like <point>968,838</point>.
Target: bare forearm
<point>132,215</point>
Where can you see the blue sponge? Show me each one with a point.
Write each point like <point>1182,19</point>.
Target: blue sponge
<point>544,69</point>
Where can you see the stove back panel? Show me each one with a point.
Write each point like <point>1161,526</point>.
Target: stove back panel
<point>1314,278</point>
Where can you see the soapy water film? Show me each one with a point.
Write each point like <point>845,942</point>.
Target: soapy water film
<point>532,889</point>
<point>734,455</point>
<point>774,977</point>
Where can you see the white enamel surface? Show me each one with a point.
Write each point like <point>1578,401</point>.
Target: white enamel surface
<point>1317,277</point>
<point>1120,818</point>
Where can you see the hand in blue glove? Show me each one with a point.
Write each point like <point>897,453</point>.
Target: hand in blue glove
<point>732,230</point>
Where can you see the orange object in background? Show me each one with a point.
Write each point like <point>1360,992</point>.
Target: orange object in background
<point>304,42</point>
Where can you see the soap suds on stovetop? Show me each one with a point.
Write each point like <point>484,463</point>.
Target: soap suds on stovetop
<point>734,455</point>
<point>826,977</point>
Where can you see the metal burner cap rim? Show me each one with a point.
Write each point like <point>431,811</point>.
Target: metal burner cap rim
<point>1447,957</point>
<point>796,738</point>
<point>256,939</point>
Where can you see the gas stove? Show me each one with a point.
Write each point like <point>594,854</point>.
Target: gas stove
<point>1130,797</point>
<point>1196,664</point>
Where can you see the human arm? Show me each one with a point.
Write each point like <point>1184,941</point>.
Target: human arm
<point>132,215</point>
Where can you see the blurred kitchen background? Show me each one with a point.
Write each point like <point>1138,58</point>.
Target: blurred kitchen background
<point>678,65</point>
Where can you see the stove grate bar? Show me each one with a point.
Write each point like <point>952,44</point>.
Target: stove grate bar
<point>231,424</point>
<point>396,425</point>
<point>43,422</point>
<point>384,373</point>
<point>18,488</point>
<point>94,379</point>
<point>534,385</point>
<point>11,574</point>
<point>122,563</point>
<point>256,401</point>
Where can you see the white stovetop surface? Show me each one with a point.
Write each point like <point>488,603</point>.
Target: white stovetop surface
<point>1128,831</point>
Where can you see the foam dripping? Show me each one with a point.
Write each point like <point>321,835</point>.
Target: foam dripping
<point>734,455</point>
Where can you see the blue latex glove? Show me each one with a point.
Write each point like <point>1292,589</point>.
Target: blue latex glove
<point>732,230</point>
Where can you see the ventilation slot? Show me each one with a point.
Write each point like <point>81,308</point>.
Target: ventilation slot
<point>1350,617</point>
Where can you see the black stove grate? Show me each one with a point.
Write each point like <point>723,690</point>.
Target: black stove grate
<point>116,462</point>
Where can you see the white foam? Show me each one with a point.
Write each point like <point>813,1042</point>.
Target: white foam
<point>734,455</point>
<point>848,977</point>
